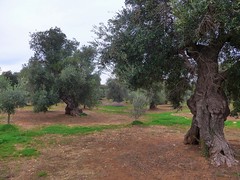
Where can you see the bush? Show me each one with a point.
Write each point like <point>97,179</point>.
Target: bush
<point>10,97</point>
<point>139,102</point>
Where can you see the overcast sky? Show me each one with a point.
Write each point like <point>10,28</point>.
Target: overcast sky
<point>19,18</point>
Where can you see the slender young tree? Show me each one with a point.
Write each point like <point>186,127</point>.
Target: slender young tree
<point>10,97</point>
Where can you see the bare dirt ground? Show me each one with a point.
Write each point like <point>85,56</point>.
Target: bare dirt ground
<point>28,119</point>
<point>141,153</point>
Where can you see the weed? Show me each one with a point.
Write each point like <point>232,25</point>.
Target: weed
<point>82,114</point>
<point>42,174</point>
<point>237,174</point>
<point>136,122</point>
<point>27,152</point>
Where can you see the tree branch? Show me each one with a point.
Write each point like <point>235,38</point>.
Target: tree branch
<point>187,61</point>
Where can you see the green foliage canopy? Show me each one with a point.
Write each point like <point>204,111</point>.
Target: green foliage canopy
<point>60,71</point>
<point>10,97</point>
<point>140,43</point>
<point>212,24</point>
<point>144,40</point>
<point>12,77</point>
<point>115,90</point>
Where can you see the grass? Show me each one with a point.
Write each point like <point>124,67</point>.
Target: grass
<point>42,174</point>
<point>232,124</point>
<point>114,109</point>
<point>136,122</point>
<point>12,137</point>
<point>15,142</point>
<point>167,119</point>
<point>27,152</point>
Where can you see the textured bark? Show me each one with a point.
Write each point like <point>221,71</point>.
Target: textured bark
<point>73,111</point>
<point>210,109</point>
<point>72,107</point>
<point>152,106</point>
<point>8,119</point>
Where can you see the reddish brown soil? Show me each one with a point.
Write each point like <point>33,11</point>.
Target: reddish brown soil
<point>136,152</point>
<point>28,119</point>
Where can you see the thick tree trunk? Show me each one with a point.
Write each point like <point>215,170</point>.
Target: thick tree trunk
<point>72,107</point>
<point>152,106</point>
<point>8,119</point>
<point>209,107</point>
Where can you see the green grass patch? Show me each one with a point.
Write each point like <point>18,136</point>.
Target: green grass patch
<point>232,124</point>
<point>82,114</point>
<point>11,137</point>
<point>136,122</point>
<point>167,119</point>
<point>27,152</point>
<point>42,174</point>
<point>15,142</point>
<point>7,128</point>
<point>114,109</point>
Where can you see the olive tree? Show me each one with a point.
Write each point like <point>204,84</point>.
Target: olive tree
<point>139,102</point>
<point>10,98</point>
<point>115,90</point>
<point>60,71</point>
<point>207,31</point>
<point>183,43</point>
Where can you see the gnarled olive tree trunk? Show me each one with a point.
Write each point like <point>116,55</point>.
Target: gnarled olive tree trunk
<point>152,106</point>
<point>210,109</point>
<point>72,107</point>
